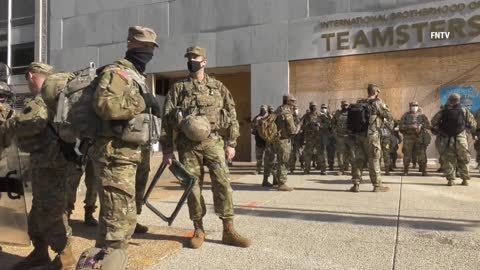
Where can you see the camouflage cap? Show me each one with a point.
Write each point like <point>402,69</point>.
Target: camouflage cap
<point>312,103</point>
<point>413,103</point>
<point>454,97</point>
<point>142,34</point>
<point>264,107</point>
<point>344,102</point>
<point>270,107</point>
<point>38,67</point>
<point>196,51</point>
<point>323,106</point>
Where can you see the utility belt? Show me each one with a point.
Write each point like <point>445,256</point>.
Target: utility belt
<point>143,129</point>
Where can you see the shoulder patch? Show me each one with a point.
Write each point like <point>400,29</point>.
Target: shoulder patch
<point>123,74</point>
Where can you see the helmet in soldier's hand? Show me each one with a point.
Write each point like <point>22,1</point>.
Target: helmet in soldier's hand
<point>196,127</point>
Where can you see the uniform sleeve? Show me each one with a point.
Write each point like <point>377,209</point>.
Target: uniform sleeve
<point>115,98</point>
<point>384,112</point>
<point>166,137</point>
<point>32,120</point>
<point>403,125</point>
<point>290,124</point>
<point>471,121</point>
<point>425,122</point>
<point>435,124</point>
<point>233,132</point>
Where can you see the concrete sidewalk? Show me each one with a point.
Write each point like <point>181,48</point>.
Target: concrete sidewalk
<point>420,224</point>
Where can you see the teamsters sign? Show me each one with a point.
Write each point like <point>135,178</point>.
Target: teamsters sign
<point>447,23</point>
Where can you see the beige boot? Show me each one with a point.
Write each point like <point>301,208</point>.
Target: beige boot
<point>284,187</point>
<point>199,236</point>
<point>231,237</point>
<point>63,261</point>
<point>381,189</point>
<point>38,257</point>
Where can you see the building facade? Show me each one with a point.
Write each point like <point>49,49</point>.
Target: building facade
<point>324,51</point>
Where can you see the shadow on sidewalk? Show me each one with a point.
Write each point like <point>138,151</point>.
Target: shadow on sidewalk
<point>7,260</point>
<point>415,222</point>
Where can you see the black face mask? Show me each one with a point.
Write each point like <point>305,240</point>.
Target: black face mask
<point>194,66</point>
<point>139,57</point>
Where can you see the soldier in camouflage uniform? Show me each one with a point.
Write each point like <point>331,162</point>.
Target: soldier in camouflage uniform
<point>345,148</point>
<point>396,141</point>
<point>476,145</point>
<point>327,147</point>
<point>414,126</point>
<point>259,142</point>
<point>141,180</point>
<point>118,98</point>
<point>454,149</point>
<point>368,146</point>
<point>281,147</point>
<point>6,110</point>
<point>386,142</point>
<point>202,110</point>
<point>329,137</point>
<point>47,221</point>
<point>74,174</point>
<point>297,142</point>
<point>310,127</point>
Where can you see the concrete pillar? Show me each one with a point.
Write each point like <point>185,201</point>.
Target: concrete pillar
<point>269,83</point>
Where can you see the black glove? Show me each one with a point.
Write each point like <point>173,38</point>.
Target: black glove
<point>152,103</point>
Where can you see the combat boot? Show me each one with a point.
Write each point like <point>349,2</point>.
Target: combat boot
<point>414,165</point>
<point>63,261</point>
<point>451,183</point>
<point>465,182</point>
<point>231,237</point>
<point>275,181</point>
<point>265,182</point>
<point>405,170</point>
<point>89,219</point>
<point>423,170</point>
<point>340,173</point>
<point>284,187</point>
<point>387,171</point>
<point>381,189</point>
<point>38,257</point>
<point>355,188</point>
<point>199,236</point>
<point>139,228</point>
<point>323,172</point>
<point>330,167</point>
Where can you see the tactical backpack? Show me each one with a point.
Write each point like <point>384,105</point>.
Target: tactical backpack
<point>358,117</point>
<point>70,95</point>
<point>453,121</point>
<point>267,128</point>
<point>103,259</point>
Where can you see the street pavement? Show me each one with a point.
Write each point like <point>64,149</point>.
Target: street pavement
<point>420,224</point>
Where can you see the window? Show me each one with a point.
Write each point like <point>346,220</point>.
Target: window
<point>23,55</point>
<point>161,86</point>
<point>23,12</point>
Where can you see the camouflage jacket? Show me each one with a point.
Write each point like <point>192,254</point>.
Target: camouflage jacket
<point>325,123</point>
<point>310,125</point>
<point>477,118</point>
<point>34,133</point>
<point>471,126</point>
<point>409,120</point>
<point>285,123</point>
<point>190,97</point>
<point>339,123</point>
<point>254,123</point>
<point>118,95</point>
<point>379,113</point>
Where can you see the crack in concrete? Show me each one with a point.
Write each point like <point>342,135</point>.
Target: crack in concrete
<point>395,250</point>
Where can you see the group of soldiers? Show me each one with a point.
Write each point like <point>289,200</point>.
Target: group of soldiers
<point>319,134</point>
<point>199,121</point>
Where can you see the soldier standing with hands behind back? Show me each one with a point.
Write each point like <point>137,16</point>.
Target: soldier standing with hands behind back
<point>202,111</point>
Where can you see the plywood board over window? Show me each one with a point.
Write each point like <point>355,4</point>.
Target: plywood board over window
<point>402,76</point>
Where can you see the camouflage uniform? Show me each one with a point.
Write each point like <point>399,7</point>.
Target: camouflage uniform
<point>368,146</point>
<point>327,142</point>
<point>454,150</point>
<point>297,145</point>
<point>386,142</point>
<point>116,161</point>
<point>414,127</point>
<point>345,148</point>
<point>74,175</point>
<point>260,143</point>
<point>282,145</point>
<point>476,145</point>
<point>310,127</point>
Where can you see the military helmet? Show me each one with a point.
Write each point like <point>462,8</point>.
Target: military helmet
<point>270,108</point>
<point>196,127</point>
<point>4,70</point>
<point>323,106</point>
<point>372,89</point>
<point>344,103</point>
<point>312,103</point>
<point>263,107</point>
<point>413,103</point>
